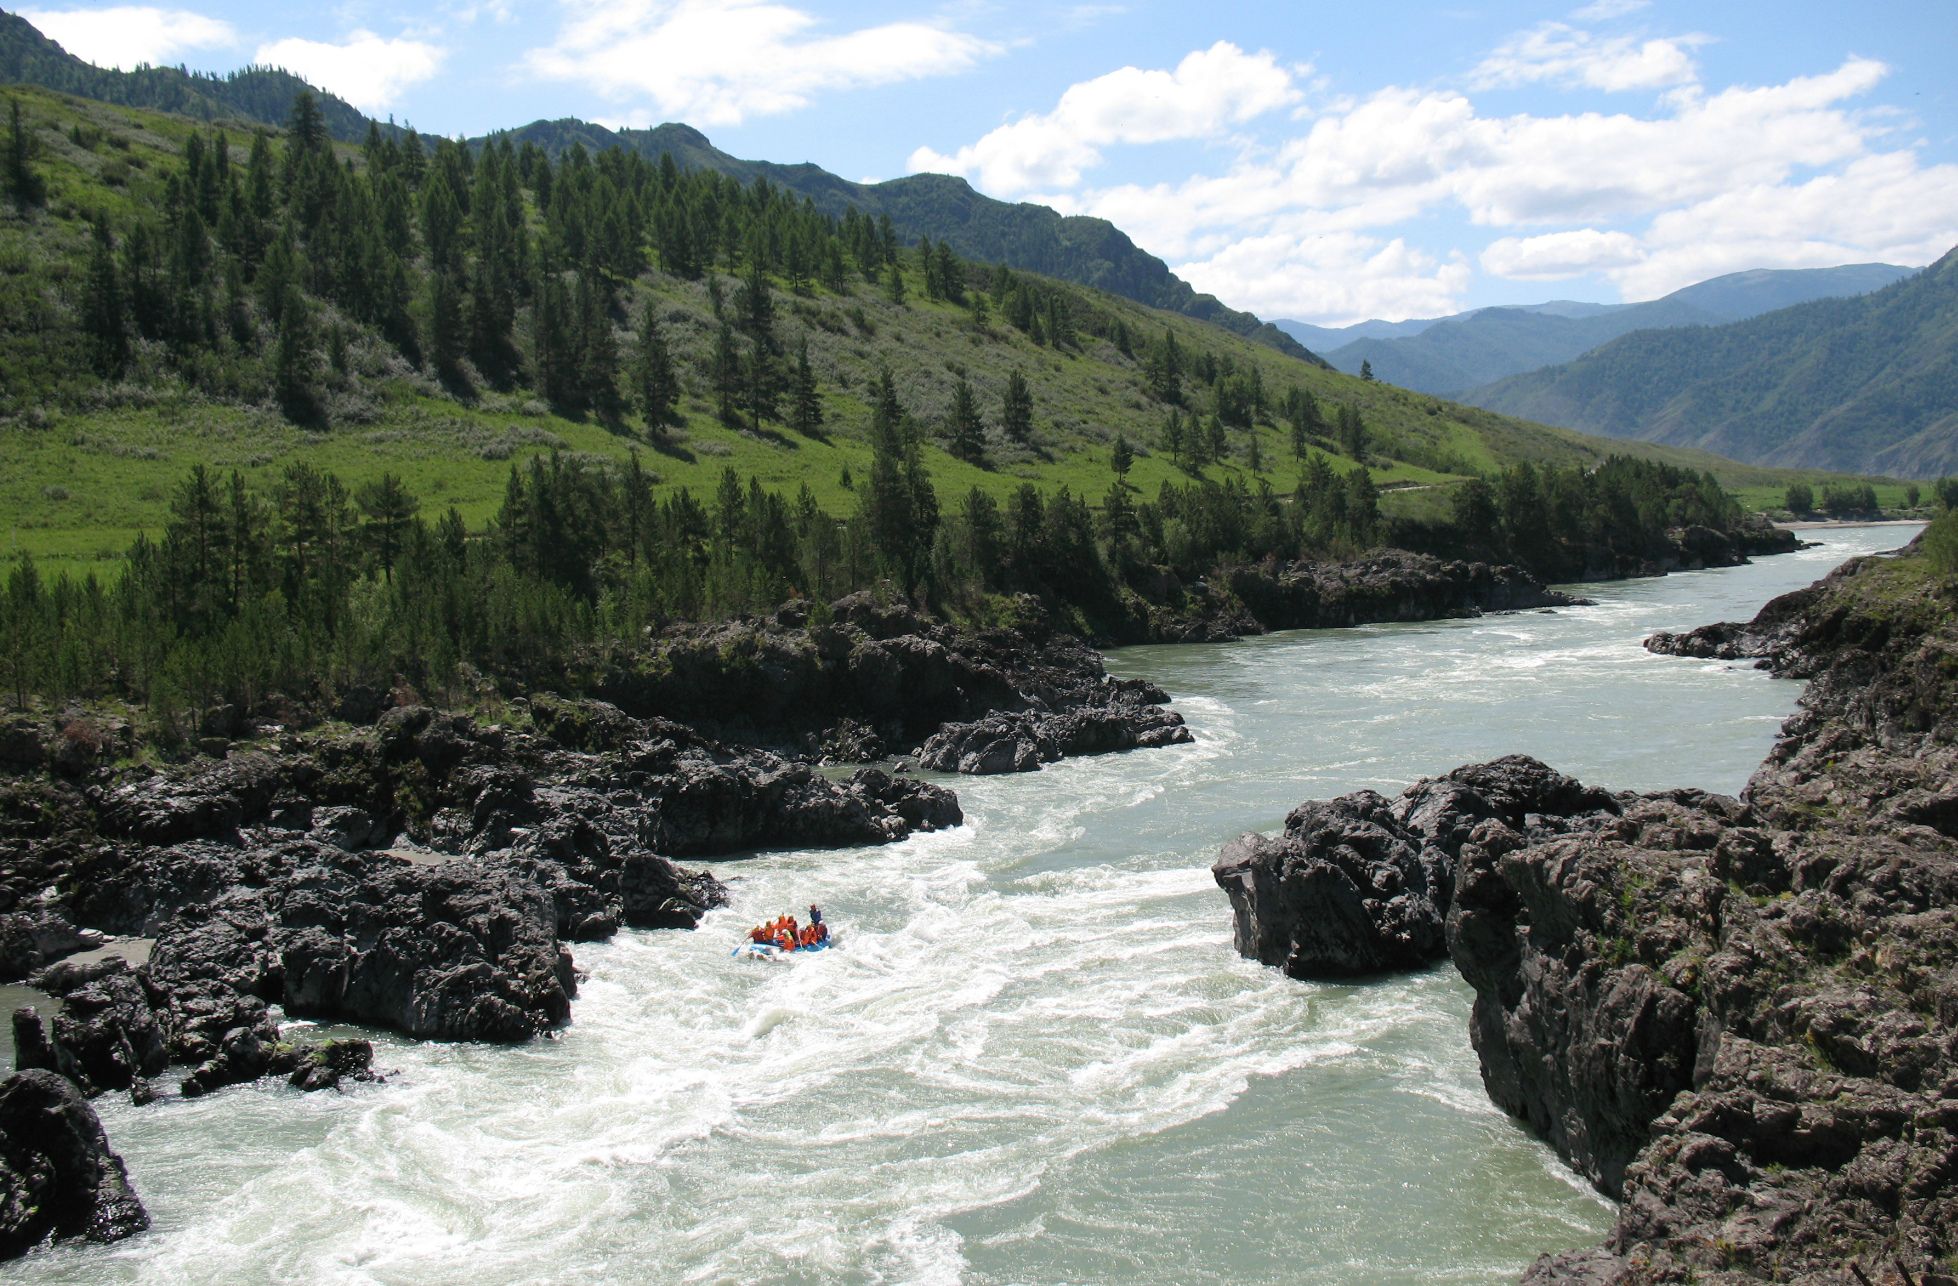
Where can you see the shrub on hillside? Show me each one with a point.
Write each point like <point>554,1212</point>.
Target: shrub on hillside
<point>1941,543</point>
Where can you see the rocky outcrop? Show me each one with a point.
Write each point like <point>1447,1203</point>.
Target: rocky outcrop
<point>1363,884</point>
<point>1744,1030</point>
<point>58,1177</point>
<point>1127,719</point>
<point>876,675</point>
<point>1391,585</point>
<point>1738,1016</point>
<point>106,1036</point>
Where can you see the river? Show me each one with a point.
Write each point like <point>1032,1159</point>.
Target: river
<point>1035,1057</point>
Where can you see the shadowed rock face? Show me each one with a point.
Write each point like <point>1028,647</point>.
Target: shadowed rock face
<point>1363,884</point>
<point>57,1175</point>
<point>1740,1017</point>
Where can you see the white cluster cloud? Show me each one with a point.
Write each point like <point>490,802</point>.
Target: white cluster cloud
<point>127,36</point>
<point>365,69</point>
<point>1883,208</point>
<point>1567,55</point>
<point>1346,275</point>
<point>719,62</point>
<point>1209,92</point>
<point>1557,255</point>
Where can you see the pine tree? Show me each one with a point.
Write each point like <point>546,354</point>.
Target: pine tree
<point>389,510</point>
<point>654,385</point>
<point>598,349</point>
<point>24,184</point>
<point>295,372</point>
<point>1165,371</point>
<point>1352,432</point>
<point>760,391</point>
<point>894,284</point>
<point>950,273</point>
<point>306,126</point>
<point>756,306</point>
<point>554,356</point>
<point>900,509</point>
<point>23,629</point>
<point>726,372</point>
<point>929,269</point>
<point>447,329</point>
<point>1060,324</point>
<point>966,434</point>
<point>806,403</point>
<point>1175,444</point>
<point>102,308</point>
<point>1016,409</point>
<point>1122,456</point>
<point>1366,370</point>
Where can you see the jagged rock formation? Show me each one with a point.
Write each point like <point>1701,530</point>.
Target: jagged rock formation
<point>877,677</point>
<point>57,1175</point>
<point>1390,585</point>
<point>1740,1017</point>
<point>1362,884</point>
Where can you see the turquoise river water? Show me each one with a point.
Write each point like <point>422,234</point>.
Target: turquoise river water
<point>1036,1057</point>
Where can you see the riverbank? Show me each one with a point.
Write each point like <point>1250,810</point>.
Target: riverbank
<point>1832,524</point>
<point>1731,1014</point>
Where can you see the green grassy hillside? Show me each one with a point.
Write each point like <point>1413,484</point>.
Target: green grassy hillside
<point>88,458</point>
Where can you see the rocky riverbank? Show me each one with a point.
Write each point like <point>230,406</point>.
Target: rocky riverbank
<point>1739,1017</point>
<point>1386,586</point>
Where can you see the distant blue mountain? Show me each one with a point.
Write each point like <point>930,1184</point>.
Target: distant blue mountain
<point>1447,355</point>
<point>1862,384</point>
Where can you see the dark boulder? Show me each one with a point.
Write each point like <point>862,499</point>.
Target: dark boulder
<point>330,1065</point>
<point>208,803</point>
<point>923,806</point>
<point>106,1036</point>
<point>30,939</point>
<point>1347,889</point>
<point>1000,743</point>
<point>1362,884</point>
<point>656,894</point>
<point>23,743</point>
<point>454,952</point>
<point>1022,742</point>
<point>58,1176</point>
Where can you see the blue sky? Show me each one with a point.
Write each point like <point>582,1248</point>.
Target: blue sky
<point>1327,162</point>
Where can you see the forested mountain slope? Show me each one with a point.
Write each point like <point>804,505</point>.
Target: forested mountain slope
<point>939,207</point>
<point>1090,251</point>
<point>1863,384</point>
<point>262,94</point>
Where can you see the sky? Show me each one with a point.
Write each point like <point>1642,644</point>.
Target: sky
<point>1322,162</point>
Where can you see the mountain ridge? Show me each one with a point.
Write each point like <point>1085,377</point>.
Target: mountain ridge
<point>1448,355</point>
<point>1077,248</point>
<point>1865,382</point>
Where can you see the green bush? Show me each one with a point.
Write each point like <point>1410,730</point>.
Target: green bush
<point>1941,543</point>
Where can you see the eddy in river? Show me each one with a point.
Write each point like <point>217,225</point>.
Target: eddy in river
<point>784,934</point>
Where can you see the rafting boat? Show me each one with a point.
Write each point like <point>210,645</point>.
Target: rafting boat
<point>769,951</point>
